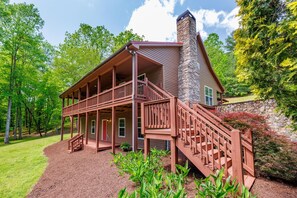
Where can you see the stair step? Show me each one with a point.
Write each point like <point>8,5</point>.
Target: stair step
<point>222,159</point>
<point>249,181</point>
<point>215,153</point>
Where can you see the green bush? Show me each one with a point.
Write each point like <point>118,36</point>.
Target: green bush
<point>125,146</point>
<point>275,155</point>
<point>214,186</point>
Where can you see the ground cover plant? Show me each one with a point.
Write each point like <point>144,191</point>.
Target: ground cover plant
<point>22,164</point>
<point>275,155</point>
<point>154,181</point>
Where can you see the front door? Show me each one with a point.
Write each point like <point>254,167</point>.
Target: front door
<point>104,130</point>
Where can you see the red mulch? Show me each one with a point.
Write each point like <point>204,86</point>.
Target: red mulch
<point>79,174</point>
<point>89,174</point>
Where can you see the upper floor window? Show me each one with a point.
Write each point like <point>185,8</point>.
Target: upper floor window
<point>208,92</point>
<point>93,125</point>
<point>122,127</point>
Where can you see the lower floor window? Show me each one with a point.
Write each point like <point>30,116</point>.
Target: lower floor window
<point>93,127</point>
<point>140,136</point>
<point>122,127</point>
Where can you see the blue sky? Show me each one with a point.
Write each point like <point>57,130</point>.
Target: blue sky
<point>155,19</point>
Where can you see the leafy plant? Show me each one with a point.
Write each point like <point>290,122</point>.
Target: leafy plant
<point>125,146</point>
<point>215,186</point>
<point>275,155</point>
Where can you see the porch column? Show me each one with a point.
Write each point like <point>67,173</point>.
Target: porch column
<point>87,128</point>
<point>173,151</point>
<point>78,124</point>
<point>97,129</point>
<point>134,74</point>
<point>72,98</point>
<point>114,80</point>
<point>62,128</point>
<point>79,94</point>
<point>146,146</point>
<point>113,129</point>
<point>98,88</point>
<point>87,94</point>
<point>134,125</point>
<point>134,103</point>
<point>71,126</point>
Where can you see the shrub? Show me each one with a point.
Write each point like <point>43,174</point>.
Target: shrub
<point>275,155</point>
<point>125,146</point>
<point>215,186</point>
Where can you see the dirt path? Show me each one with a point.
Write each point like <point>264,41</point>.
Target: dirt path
<point>87,174</point>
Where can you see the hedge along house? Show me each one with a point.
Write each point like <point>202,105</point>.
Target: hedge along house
<point>151,94</point>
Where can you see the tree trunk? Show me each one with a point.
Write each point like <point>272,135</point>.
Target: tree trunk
<point>6,138</point>
<point>15,126</point>
<point>20,122</point>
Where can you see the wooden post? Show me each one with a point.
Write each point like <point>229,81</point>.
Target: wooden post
<point>87,128</point>
<point>134,125</point>
<point>98,88</point>
<point>173,151</point>
<point>113,129</point>
<point>142,119</point>
<point>97,129</point>
<point>173,116</point>
<point>237,156</point>
<point>71,126</point>
<point>78,124</point>
<point>87,94</point>
<point>134,74</point>
<point>79,94</point>
<point>62,128</point>
<point>72,98</point>
<point>114,80</point>
<point>146,146</point>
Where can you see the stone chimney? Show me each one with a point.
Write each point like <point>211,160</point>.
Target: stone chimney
<point>189,67</point>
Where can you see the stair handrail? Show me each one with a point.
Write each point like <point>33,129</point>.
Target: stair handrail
<point>72,139</point>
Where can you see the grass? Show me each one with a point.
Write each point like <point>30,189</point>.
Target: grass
<point>240,99</point>
<point>22,163</point>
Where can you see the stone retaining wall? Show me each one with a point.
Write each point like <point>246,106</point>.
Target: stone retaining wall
<point>277,121</point>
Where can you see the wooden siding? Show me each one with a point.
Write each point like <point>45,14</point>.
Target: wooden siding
<point>206,79</point>
<point>169,58</point>
<point>159,144</point>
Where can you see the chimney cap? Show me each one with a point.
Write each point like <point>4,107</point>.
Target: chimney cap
<point>187,13</point>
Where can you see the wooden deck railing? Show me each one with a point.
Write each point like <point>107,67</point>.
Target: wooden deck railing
<point>122,91</point>
<point>217,144</point>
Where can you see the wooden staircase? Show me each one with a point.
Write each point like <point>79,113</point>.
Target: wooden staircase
<point>76,143</point>
<point>208,142</point>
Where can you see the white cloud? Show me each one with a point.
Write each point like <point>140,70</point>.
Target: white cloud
<point>181,2</point>
<point>155,20</point>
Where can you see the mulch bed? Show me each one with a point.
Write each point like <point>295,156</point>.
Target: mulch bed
<point>79,174</point>
<point>90,174</point>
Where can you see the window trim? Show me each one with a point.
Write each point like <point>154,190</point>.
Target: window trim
<point>140,138</point>
<point>122,127</point>
<point>93,121</point>
<point>212,102</point>
<point>143,74</point>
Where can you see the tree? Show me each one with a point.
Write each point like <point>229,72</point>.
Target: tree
<point>123,38</point>
<point>223,63</point>
<point>266,50</point>
<point>19,36</point>
<point>85,49</point>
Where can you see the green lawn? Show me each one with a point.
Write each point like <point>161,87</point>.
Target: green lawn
<point>240,99</point>
<point>22,163</point>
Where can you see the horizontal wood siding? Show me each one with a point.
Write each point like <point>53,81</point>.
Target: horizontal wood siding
<point>169,58</point>
<point>206,79</point>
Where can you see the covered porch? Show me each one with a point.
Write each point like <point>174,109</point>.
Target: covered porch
<point>102,145</point>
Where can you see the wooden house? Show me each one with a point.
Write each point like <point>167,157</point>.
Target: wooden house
<point>154,94</point>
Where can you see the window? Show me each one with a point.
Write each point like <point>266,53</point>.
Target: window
<point>208,96</point>
<point>141,77</point>
<point>140,136</point>
<point>93,125</point>
<point>122,127</point>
